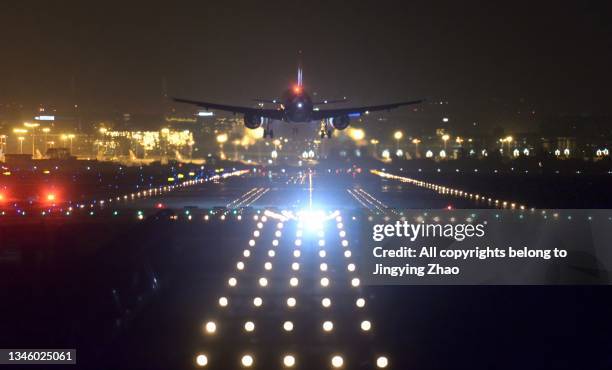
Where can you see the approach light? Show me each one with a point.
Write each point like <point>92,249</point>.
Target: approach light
<point>324,282</point>
<point>257,301</point>
<point>223,302</point>
<point>268,266</point>
<point>350,267</point>
<point>337,361</point>
<point>271,253</point>
<point>328,326</point>
<point>201,360</point>
<point>294,281</point>
<point>240,265</point>
<point>295,266</point>
<point>232,282</point>
<point>322,253</point>
<point>323,266</point>
<point>249,326</point>
<point>275,243</point>
<point>326,302</point>
<point>366,325</point>
<point>382,362</point>
<point>297,253</point>
<point>288,326</point>
<point>345,243</point>
<point>355,282</point>
<point>360,302</point>
<point>289,361</point>
<point>247,360</point>
<point>246,253</point>
<point>291,302</point>
<point>210,327</point>
<point>263,282</point>
<point>347,254</point>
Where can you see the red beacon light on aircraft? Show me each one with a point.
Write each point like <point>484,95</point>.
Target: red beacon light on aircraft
<point>297,89</point>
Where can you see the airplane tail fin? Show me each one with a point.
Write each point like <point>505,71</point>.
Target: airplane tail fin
<point>299,73</point>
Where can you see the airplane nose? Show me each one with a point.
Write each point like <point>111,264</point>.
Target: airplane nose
<point>299,105</point>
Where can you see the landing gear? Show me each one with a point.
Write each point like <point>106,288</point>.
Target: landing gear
<point>326,130</point>
<point>268,132</point>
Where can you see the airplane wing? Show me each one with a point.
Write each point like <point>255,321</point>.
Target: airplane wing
<point>343,100</point>
<point>330,113</point>
<point>267,113</point>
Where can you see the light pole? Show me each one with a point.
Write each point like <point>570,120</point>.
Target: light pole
<point>71,136</point>
<point>416,142</point>
<point>46,131</point>
<point>398,135</point>
<point>445,138</point>
<point>21,138</point>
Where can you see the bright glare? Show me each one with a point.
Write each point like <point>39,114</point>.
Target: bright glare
<point>345,243</point>
<point>355,282</point>
<point>288,326</point>
<point>351,267</point>
<point>323,266</point>
<point>297,253</point>
<point>360,302</point>
<point>240,265</point>
<point>321,243</point>
<point>366,325</point>
<point>295,266</point>
<point>246,253</point>
<point>271,253</point>
<point>268,266</point>
<point>347,254</point>
<point>275,243</point>
<point>278,233</point>
<point>298,242</point>
<point>293,281</point>
<point>322,254</point>
<point>257,301</point>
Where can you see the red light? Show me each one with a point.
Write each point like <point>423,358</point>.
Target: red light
<point>159,205</point>
<point>297,89</point>
<point>449,207</point>
<point>1,197</point>
<point>51,197</point>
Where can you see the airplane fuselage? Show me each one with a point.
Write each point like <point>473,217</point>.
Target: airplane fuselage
<point>297,105</point>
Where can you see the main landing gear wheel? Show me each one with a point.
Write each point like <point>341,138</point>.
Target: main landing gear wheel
<point>329,133</point>
<point>268,133</point>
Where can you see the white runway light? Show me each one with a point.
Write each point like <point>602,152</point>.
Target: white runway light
<point>297,253</point>
<point>321,243</point>
<point>278,233</point>
<point>210,327</point>
<point>288,326</point>
<point>328,326</point>
<point>240,265</point>
<point>256,234</point>
<point>294,282</point>
<point>360,302</point>
<point>289,361</point>
<point>268,266</point>
<point>326,302</point>
<point>223,302</point>
<point>247,360</point>
<point>279,225</point>
<point>322,254</point>
<point>350,267</point>
<point>355,282</point>
<point>342,233</point>
<point>232,282</point>
<point>263,282</point>
<point>275,242</point>
<point>271,253</point>
<point>337,361</point>
<point>347,254</point>
<point>345,243</point>
<point>201,360</point>
<point>291,302</point>
<point>382,362</point>
<point>323,266</point>
<point>257,301</point>
<point>246,253</point>
<point>295,266</point>
<point>324,282</point>
<point>249,326</point>
<point>298,242</point>
<point>366,325</point>
<point>259,225</point>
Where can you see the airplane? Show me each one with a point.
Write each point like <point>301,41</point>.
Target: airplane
<point>296,106</point>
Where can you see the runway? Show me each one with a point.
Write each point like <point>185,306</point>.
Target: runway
<point>262,271</point>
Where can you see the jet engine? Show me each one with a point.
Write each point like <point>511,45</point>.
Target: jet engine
<point>253,121</point>
<point>340,122</point>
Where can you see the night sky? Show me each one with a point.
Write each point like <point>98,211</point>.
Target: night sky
<point>485,58</point>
